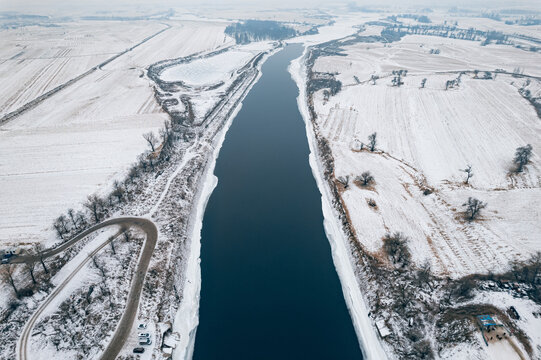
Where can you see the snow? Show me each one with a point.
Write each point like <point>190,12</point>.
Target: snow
<point>412,52</point>
<point>83,138</point>
<point>346,26</point>
<point>36,59</point>
<point>366,333</point>
<point>383,330</point>
<point>502,350</point>
<point>187,316</point>
<point>73,279</point>
<point>207,71</point>
<point>428,135</point>
<point>530,324</point>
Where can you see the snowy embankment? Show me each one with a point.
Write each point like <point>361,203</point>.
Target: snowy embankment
<point>370,344</point>
<point>187,317</point>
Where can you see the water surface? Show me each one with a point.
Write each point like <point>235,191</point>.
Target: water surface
<point>269,286</point>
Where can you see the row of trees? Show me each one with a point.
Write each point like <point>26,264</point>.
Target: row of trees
<point>257,30</point>
<point>31,266</point>
<point>96,208</point>
<point>448,31</point>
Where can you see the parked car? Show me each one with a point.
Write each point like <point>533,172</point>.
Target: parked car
<point>139,350</point>
<point>142,326</point>
<point>512,311</point>
<point>144,335</point>
<point>145,341</point>
<point>5,261</point>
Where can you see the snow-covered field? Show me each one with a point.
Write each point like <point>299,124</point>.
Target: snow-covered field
<point>36,59</point>
<point>427,136</point>
<point>78,141</point>
<point>207,71</point>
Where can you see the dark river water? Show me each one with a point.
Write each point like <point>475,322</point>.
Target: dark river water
<point>269,286</point>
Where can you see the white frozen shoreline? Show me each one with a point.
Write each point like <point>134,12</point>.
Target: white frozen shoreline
<point>187,317</point>
<point>370,343</point>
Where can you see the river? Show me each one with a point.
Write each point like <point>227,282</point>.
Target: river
<point>269,286</point>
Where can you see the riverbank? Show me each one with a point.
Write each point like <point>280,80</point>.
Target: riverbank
<point>266,263</point>
<point>450,269</point>
<point>187,317</point>
<point>370,344</point>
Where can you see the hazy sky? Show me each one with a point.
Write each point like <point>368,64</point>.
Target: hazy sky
<point>55,6</point>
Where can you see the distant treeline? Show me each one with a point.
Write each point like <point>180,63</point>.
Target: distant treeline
<point>419,18</point>
<point>257,30</point>
<point>109,17</point>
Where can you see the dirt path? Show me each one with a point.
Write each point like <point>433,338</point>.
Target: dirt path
<point>126,322</point>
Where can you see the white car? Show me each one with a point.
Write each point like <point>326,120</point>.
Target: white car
<point>142,326</point>
<point>145,341</point>
<point>144,335</point>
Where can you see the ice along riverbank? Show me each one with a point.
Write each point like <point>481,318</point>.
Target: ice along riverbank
<point>269,286</point>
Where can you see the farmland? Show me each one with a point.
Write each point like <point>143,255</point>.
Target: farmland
<point>434,106</point>
<point>79,142</point>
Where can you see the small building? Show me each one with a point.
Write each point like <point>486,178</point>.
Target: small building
<point>383,330</point>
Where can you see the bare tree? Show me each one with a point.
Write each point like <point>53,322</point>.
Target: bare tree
<point>151,139</point>
<point>7,275</point>
<point>133,173</point>
<point>473,207</point>
<point>396,247</point>
<point>100,267</point>
<point>397,80</point>
<point>365,178</point>
<point>118,191</point>
<point>424,274</point>
<point>372,141</point>
<point>373,78</point>
<point>81,219</point>
<point>73,217</point>
<point>61,226</point>
<point>38,250</point>
<point>127,235</point>
<point>59,230</point>
<point>165,132</point>
<point>30,265</point>
<point>464,288</point>
<point>469,173</point>
<point>522,157</point>
<point>94,204</point>
<point>112,243</point>
<point>344,180</point>
<point>423,83</point>
<point>535,263</point>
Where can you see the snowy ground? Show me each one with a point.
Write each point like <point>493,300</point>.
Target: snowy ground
<point>427,136</point>
<point>94,127</point>
<point>82,138</point>
<point>36,59</point>
<point>207,71</point>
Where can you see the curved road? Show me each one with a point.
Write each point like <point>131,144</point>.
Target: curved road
<point>124,326</point>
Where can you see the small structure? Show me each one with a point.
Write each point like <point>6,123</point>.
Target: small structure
<point>383,330</point>
<point>490,329</point>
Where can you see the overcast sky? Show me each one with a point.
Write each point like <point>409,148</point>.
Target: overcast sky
<point>56,6</point>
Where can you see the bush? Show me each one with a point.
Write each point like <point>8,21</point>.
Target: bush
<point>395,246</point>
